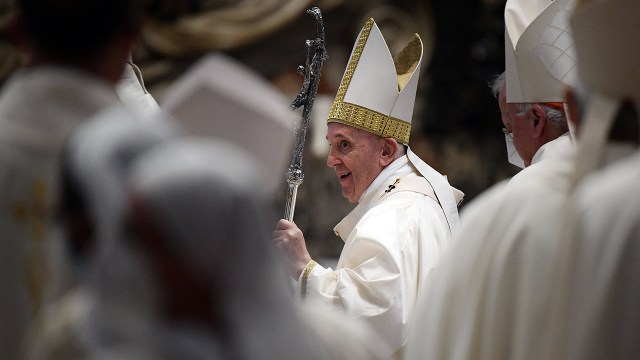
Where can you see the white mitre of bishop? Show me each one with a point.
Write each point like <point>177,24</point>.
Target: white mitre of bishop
<point>540,56</point>
<point>218,97</point>
<point>606,39</point>
<point>378,91</point>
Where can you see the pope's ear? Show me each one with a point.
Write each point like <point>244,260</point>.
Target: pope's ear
<point>390,151</point>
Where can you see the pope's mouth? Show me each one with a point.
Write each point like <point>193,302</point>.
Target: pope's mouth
<point>344,176</point>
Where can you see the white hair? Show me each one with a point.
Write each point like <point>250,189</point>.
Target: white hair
<point>498,83</point>
<point>555,117</point>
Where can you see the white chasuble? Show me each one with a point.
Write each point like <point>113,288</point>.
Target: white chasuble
<point>393,239</point>
<point>601,290</point>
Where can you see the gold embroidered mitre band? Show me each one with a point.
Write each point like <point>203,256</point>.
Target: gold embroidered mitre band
<point>377,92</point>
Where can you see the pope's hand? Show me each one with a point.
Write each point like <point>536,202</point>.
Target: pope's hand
<point>289,239</point>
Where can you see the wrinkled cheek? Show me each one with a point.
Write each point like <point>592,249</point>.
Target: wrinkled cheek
<point>517,142</point>
<point>345,194</point>
<point>347,190</point>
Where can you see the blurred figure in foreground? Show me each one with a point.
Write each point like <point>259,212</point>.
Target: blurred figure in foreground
<point>95,163</point>
<point>598,312</point>
<point>219,98</point>
<point>76,51</point>
<point>196,238</point>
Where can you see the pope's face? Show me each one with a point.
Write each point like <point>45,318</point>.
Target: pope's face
<point>355,155</point>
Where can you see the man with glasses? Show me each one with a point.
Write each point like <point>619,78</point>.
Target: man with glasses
<point>534,131</point>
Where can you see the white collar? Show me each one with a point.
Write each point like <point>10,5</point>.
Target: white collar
<point>371,195</point>
<point>384,175</point>
<point>558,147</point>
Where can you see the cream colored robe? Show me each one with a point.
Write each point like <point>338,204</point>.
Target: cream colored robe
<point>38,109</point>
<point>393,239</point>
<point>601,300</point>
<point>489,296</point>
<point>558,148</point>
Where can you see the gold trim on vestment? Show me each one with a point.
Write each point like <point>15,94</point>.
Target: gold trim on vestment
<point>305,275</point>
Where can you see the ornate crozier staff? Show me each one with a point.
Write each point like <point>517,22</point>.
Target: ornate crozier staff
<point>316,53</point>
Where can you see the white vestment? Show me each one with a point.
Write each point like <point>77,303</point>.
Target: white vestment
<point>489,296</point>
<point>603,267</point>
<point>38,108</point>
<point>393,238</point>
<point>560,147</point>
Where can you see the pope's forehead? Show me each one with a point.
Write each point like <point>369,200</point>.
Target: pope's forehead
<point>339,130</point>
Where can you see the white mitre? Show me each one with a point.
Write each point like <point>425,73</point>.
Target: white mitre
<point>220,98</point>
<point>606,38</point>
<point>377,92</point>
<point>539,52</point>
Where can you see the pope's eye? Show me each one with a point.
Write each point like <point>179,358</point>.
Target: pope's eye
<point>344,145</point>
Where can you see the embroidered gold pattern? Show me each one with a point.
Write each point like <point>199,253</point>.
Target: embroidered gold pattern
<point>371,121</point>
<point>305,275</point>
<point>33,213</point>
<point>392,186</point>
<point>353,62</point>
